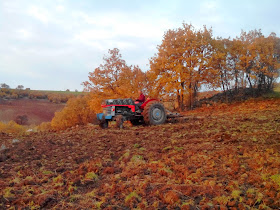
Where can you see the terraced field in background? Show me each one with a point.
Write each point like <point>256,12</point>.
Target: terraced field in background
<point>225,156</point>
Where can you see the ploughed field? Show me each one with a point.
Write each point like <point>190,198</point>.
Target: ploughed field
<point>36,110</point>
<point>222,157</point>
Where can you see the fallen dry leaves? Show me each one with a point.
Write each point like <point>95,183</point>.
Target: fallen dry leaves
<point>227,157</point>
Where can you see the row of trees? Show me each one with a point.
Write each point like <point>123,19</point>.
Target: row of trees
<point>189,59</point>
<point>53,97</point>
<point>186,61</point>
<point>5,86</point>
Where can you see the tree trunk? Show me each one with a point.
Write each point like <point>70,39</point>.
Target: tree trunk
<point>249,80</point>
<point>182,101</point>
<point>223,85</point>
<point>236,80</point>
<point>190,96</point>
<point>179,100</point>
<point>182,96</point>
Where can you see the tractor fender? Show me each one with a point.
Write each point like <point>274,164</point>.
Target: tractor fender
<point>146,102</point>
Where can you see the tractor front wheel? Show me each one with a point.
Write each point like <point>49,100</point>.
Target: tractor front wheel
<point>103,123</point>
<point>154,113</point>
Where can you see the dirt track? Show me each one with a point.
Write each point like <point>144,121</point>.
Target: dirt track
<point>225,156</point>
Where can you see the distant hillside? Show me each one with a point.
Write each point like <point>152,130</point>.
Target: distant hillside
<point>37,111</point>
<point>52,96</point>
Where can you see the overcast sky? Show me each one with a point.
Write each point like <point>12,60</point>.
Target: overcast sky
<point>53,44</point>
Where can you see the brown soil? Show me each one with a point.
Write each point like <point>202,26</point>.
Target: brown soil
<point>225,157</point>
<point>37,110</point>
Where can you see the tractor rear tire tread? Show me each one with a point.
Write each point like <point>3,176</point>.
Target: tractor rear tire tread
<point>148,116</point>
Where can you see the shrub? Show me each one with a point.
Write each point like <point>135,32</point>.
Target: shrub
<point>37,95</point>
<point>54,98</point>
<point>76,112</point>
<point>14,96</point>
<point>45,126</point>
<point>21,93</point>
<point>6,90</point>
<point>2,94</point>
<point>12,127</point>
<point>59,98</point>
<point>21,119</point>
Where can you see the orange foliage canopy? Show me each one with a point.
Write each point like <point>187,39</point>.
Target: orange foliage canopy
<point>189,58</point>
<point>181,64</point>
<point>76,112</point>
<point>115,78</point>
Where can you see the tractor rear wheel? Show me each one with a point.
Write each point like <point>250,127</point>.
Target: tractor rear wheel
<point>154,113</point>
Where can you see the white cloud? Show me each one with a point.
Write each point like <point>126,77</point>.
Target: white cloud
<point>104,44</point>
<point>209,6</point>
<point>18,69</point>
<point>86,18</point>
<point>209,11</point>
<point>60,8</point>
<point>24,34</point>
<point>119,24</point>
<point>10,6</point>
<point>39,13</point>
<point>33,74</point>
<point>94,34</point>
<point>138,29</point>
<point>105,31</point>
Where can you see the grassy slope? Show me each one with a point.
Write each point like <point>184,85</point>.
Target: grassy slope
<point>226,157</point>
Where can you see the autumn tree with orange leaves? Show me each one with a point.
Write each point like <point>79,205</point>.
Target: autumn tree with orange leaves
<point>252,61</point>
<point>114,79</point>
<point>188,59</point>
<point>181,65</point>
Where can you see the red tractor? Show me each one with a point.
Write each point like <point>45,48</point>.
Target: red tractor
<point>151,112</point>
